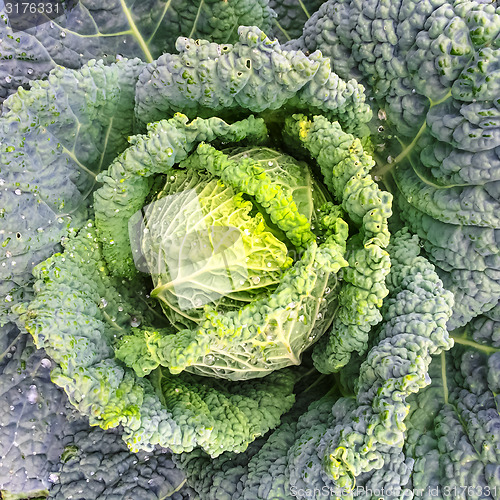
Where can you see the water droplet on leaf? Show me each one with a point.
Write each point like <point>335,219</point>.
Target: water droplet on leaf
<point>209,360</point>
<point>46,363</point>
<point>32,395</point>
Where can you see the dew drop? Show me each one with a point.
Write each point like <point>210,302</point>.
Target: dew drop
<point>18,192</point>
<point>8,79</point>
<point>32,394</point>
<point>46,363</point>
<point>53,478</point>
<point>135,321</point>
<point>209,360</point>
<point>63,34</point>
<point>30,71</point>
<point>103,303</point>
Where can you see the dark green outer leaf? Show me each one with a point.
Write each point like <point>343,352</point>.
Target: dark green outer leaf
<point>32,412</point>
<point>104,29</point>
<point>256,74</point>
<point>97,465</point>
<point>453,427</point>
<point>432,66</point>
<point>45,447</point>
<point>292,15</point>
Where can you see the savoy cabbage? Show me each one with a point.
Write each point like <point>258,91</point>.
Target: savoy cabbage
<point>198,235</point>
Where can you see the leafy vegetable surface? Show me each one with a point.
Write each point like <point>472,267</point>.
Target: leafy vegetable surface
<point>348,445</point>
<point>120,28</point>
<point>291,17</point>
<point>87,280</point>
<point>432,69</point>
<point>453,424</point>
<point>48,449</point>
<point>54,140</point>
<point>155,331</point>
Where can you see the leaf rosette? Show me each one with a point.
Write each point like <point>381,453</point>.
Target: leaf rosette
<point>216,249</point>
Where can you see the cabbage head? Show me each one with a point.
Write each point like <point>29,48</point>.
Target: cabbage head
<point>229,245</point>
<point>239,227</point>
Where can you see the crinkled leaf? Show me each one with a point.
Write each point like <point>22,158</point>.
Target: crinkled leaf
<point>54,139</point>
<point>125,28</point>
<point>454,424</point>
<point>33,412</point>
<point>98,464</point>
<point>432,69</point>
<point>291,17</point>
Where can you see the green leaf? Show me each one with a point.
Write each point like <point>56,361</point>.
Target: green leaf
<point>119,27</point>
<point>101,466</point>
<point>32,414</point>
<point>201,243</point>
<point>255,74</point>
<point>54,139</point>
<point>128,180</point>
<point>453,424</point>
<point>433,74</point>
<point>75,288</point>
<point>291,17</point>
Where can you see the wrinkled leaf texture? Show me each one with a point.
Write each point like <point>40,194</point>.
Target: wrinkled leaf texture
<point>110,28</point>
